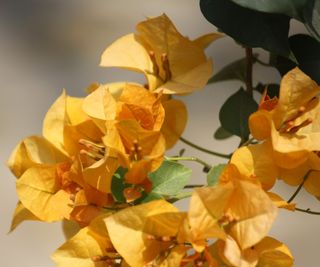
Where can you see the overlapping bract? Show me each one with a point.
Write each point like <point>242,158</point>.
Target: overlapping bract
<point>289,129</point>
<point>172,63</point>
<point>236,212</point>
<point>123,129</point>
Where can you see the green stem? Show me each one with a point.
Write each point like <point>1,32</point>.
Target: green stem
<point>299,187</point>
<point>226,156</point>
<point>193,186</point>
<point>206,165</point>
<point>308,211</point>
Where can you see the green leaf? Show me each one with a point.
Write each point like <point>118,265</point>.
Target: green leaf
<point>307,52</point>
<point>221,134</point>
<point>170,178</point>
<point>249,27</point>
<point>312,18</point>
<point>272,89</point>
<point>233,71</point>
<point>291,8</point>
<point>118,184</point>
<point>235,112</point>
<point>214,174</point>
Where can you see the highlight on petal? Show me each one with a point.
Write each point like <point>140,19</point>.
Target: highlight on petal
<point>256,162</point>
<point>175,121</point>
<point>39,192</point>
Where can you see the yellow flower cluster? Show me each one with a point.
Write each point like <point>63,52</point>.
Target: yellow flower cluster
<point>67,173</point>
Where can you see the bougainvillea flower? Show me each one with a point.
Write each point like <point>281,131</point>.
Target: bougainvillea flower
<point>172,63</point>
<point>51,185</point>
<point>124,101</point>
<point>268,252</point>
<point>203,220</point>
<point>293,123</point>
<point>65,124</point>
<point>248,210</point>
<point>147,229</point>
<point>139,150</point>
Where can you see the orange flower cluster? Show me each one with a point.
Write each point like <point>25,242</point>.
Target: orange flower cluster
<point>100,162</point>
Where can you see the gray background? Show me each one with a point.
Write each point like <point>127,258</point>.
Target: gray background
<point>49,45</point>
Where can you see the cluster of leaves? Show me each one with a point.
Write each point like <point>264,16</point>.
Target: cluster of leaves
<point>263,24</point>
<point>100,163</point>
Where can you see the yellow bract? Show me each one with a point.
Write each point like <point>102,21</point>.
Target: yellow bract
<point>128,101</point>
<point>268,252</point>
<point>139,226</point>
<point>172,63</point>
<point>90,247</point>
<point>291,128</point>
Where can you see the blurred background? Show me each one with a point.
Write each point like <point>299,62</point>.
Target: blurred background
<point>49,45</point>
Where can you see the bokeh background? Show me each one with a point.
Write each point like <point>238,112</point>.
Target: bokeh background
<point>48,45</point>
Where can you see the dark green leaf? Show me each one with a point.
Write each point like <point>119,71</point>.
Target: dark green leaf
<point>214,174</point>
<point>292,8</point>
<point>312,18</point>
<point>249,27</point>
<point>170,178</point>
<point>307,52</point>
<point>234,71</point>
<point>118,184</point>
<point>235,112</point>
<point>221,134</point>
<point>272,89</point>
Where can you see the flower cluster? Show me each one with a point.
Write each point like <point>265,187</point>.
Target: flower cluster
<point>101,163</point>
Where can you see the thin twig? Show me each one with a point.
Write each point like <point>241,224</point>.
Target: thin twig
<point>249,58</point>
<point>226,156</point>
<point>308,211</point>
<point>299,187</point>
